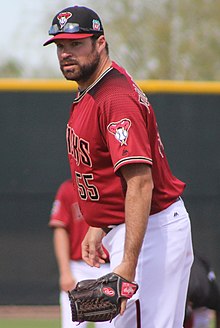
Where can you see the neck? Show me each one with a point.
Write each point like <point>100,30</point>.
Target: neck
<point>104,64</point>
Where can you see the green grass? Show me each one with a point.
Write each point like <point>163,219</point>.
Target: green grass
<point>29,323</point>
<point>32,323</point>
<point>37,323</point>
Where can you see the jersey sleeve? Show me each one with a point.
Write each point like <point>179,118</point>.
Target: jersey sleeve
<point>123,123</point>
<point>60,213</point>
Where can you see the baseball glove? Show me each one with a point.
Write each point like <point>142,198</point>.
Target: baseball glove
<point>100,299</point>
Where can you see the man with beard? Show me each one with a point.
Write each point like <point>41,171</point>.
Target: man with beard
<point>126,190</point>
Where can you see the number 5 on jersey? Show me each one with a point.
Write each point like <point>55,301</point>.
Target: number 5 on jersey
<point>85,188</point>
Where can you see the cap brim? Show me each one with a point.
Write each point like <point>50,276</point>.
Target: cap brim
<point>65,36</point>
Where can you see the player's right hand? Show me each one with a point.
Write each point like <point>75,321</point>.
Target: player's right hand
<point>127,271</point>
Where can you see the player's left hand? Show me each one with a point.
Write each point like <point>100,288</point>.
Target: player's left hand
<point>92,250</point>
<point>99,299</point>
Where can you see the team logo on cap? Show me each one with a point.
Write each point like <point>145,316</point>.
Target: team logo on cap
<point>63,18</point>
<point>120,130</point>
<point>96,25</point>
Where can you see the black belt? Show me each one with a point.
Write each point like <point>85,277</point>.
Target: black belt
<point>107,229</point>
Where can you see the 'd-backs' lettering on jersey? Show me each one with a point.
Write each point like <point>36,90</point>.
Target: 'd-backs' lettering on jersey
<point>113,124</point>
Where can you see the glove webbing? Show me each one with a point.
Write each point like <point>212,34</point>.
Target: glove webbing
<point>88,308</point>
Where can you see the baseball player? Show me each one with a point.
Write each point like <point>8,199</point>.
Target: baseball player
<point>203,295</point>
<point>69,228</point>
<point>126,190</point>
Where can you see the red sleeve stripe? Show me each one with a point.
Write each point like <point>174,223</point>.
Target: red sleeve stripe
<point>130,160</point>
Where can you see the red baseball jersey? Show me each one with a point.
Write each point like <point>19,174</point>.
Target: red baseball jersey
<point>66,213</point>
<point>112,124</point>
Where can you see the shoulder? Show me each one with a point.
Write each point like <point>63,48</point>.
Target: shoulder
<point>66,185</point>
<point>65,192</point>
<point>116,83</point>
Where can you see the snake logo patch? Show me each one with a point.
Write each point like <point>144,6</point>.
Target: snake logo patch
<point>63,18</point>
<point>120,130</point>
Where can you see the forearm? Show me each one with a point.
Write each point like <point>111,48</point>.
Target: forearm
<point>137,209</point>
<point>62,250</point>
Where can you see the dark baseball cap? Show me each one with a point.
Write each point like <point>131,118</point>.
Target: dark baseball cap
<point>75,23</point>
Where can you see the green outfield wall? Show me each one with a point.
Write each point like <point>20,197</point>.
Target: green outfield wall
<point>34,163</point>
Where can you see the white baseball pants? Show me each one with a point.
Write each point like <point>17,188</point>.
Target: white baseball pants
<point>163,270</point>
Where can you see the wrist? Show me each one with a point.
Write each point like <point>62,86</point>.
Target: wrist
<point>65,271</point>
<point>126,270</point>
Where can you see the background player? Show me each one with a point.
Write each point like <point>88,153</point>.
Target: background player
<point>69,228</point>
<point>126,190</point>
<point>203,295</point>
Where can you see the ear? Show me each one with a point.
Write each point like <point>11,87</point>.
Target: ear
<point>101,43</point>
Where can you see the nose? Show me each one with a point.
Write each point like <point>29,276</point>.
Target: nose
<point>65,53</point>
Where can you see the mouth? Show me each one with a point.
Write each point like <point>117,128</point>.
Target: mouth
<point>68,66</point>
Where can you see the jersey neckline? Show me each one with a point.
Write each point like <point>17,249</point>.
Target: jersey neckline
<point>83,93</point>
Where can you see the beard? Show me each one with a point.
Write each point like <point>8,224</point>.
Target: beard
<point>74,71</point>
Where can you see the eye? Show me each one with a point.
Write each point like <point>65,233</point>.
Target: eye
<point>59,45</point>
<point>76,43</point>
